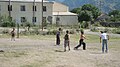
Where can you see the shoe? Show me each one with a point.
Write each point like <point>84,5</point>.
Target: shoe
<point>106,51</point>
<point>75,48</point>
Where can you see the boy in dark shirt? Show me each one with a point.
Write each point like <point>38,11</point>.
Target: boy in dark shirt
<point>66,41</point>
<point>13,34</point>
<point>58,37</point>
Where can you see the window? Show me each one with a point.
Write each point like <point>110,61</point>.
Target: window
<point>23,19</point>
<point>22,8</point>
<point>34,8</point>
<point>44,8</point>
<point>34,19</point>
<point>9,7</point>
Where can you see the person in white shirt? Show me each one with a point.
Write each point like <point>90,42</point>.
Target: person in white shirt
<point>104,37</point>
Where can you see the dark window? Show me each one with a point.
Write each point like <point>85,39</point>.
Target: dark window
<point>22,8</point>
<point>34,19</point>
<point>9,7</point>
<point>34,8</point>
<point>23,19</point>
<point>44,8</point>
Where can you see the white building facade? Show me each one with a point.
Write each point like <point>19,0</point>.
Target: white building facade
<point>31,11</point>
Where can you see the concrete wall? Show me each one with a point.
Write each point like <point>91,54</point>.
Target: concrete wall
<point>59,7</point>
<point>16,13</point>
<point>66,19</point>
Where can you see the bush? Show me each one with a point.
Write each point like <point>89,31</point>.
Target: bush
<point>72,31</point>
<point>5,31</point>
<point>6,22</point>
<point>53,32</point>
<point>94,29</point>
<point>84,25</point>
<point>117,31</point>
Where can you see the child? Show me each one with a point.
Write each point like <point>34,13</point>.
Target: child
<point>81,41</point>
<point>66,41</point>
<point>104,37</point>
<point>13,34</point>
<point>58,37</point>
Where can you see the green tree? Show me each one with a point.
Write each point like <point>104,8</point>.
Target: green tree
<point>95,12</point>
<point>87,12</point>
<point>75,10</point>
<point>115,15</point>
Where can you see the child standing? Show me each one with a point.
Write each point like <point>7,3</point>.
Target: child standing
<point>104,37</point>
<point>13,34</point>
<point>81,41</point>
<point>66,41</point>
<point>58,37</point>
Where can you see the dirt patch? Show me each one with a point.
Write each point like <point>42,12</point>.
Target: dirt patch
<point>44,53</point>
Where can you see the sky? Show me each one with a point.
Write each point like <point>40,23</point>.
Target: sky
<point>61,0</point>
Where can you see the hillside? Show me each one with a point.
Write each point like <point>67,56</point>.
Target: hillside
<point>104,5</point>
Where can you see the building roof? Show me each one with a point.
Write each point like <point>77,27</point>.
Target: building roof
<point>26,0</point>
<point>63,13</point>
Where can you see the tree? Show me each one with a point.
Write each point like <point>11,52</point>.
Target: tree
<point>115,15</point>
<point>75,10</point>
<point>87,12</point>
<point>94,10</point>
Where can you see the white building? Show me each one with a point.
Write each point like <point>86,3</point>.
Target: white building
<point>25,11</point>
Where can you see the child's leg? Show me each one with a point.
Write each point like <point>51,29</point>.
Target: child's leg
<point>84,46</point>
<point>80,42</point>
<point>68,45</point>
<point>64,46</point>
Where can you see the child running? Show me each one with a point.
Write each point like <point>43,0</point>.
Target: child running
<point>81,41</point>
<point>66,41</point>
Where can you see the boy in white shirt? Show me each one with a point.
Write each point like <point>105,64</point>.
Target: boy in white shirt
<point>104,37</point>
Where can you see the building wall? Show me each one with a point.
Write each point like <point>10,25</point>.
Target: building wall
<point>59,7</point>
<point>66,19</point>
<point>16,13</point>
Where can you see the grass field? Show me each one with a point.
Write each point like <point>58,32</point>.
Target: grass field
<point>40,51</point>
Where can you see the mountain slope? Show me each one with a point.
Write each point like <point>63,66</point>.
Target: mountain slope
<point>104,5</point>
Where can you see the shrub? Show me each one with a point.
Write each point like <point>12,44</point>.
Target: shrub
<point>117,31</point>
<point>53,32</point>
<point>94,29</point>
<point>72,31</point>
<point>5,31</point>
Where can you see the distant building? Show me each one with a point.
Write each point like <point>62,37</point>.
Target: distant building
<point>31,11</point>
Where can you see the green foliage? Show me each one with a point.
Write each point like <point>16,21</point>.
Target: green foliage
<point>115,15</point>
<point>95,12</point>
<point>84,24</point>
<point>117,31</point>
<point>53,32</point>
<point>87,12</point>
<point>84,16</point>
<point>5,31</point>
<point>6,22</point>
<point>75,10</point>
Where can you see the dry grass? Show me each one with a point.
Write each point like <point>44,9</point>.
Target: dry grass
<point>40,51</point>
